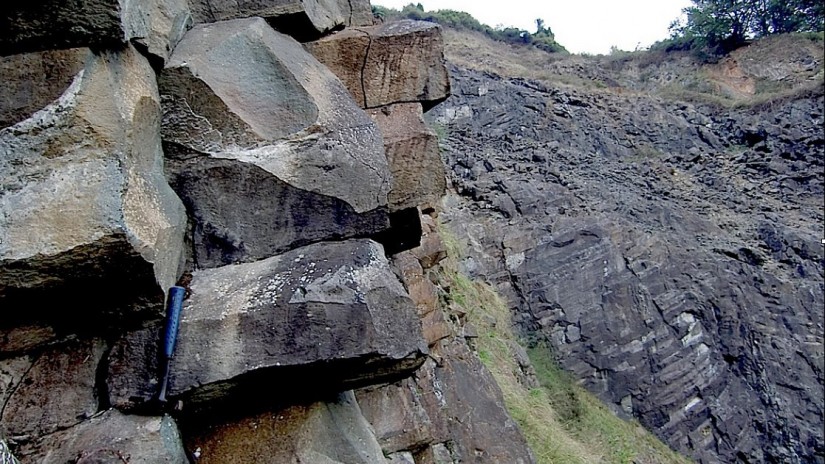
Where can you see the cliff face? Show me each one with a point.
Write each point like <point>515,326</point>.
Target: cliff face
<point>289,187</point>
<point>670,252</point>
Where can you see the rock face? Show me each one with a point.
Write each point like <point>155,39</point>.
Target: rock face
<point>112,437</point>
<point>153,25</point>
<point>331,432</point>
<point>67,372</point>
<point>412,152</point>
<point>440,418</point>
<point>669,252</point>
<point>395,62</point>
<point>451,410</point>
<point>122,137</point>
<point>85,206</point>
<point>300,18</point>
<point>263,144</point>
<point>332,313</point>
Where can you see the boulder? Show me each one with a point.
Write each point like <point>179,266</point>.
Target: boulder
<point>111,437</point>
<point>155,26</point>
<point>320,318</point>
<point>88,224</point>
<point>395,62</point>
<point>66,372</point>
<point>328,432</point>
<point>265,145</point>
<point>413,154</point>
<point>303,19</point>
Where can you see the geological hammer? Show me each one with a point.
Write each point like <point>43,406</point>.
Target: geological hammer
<point>174,303</point>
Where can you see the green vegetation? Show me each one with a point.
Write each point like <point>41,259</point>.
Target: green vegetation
<point>542,39</point>
<point>561,421</point>
<point>715,27</point>
<point>440,131</point>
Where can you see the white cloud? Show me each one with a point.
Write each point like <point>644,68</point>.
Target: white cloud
<point>591,26</point>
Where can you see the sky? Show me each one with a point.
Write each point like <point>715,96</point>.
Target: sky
<point>582,26</point>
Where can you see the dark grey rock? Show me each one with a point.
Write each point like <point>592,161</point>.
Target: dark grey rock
<point>111,437</point>
<point>303,19</point>
<point>326,317</point>
<point>67,372</point>
<point>263,145</point>
<point>670,253</point>
<point>155,26</point>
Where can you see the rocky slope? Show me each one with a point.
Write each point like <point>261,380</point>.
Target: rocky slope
<point>670,252</point>
<point>288,186</point>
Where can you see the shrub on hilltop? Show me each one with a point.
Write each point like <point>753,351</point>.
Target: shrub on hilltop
<point>715,27</point>
<point>543,38</point>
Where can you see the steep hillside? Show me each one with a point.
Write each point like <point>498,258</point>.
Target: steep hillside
<point>658,222</point>
<point>562,422</point>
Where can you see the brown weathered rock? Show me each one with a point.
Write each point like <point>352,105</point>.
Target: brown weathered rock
<point>153,25</point>
<point>391,63</point>
<point>466,408</point>
<point>88,224</point>
<point>266,147</point>
<point>434,327</point>
<point>412,151</point>
<point>299,18</point>
<point>421,290</point>
<point>111,438</point>
<point>331,432</point>
<point>33,80</point>
<point>12,372</point>
<point>56,392</point>
<point>396,414</point>
<point>325,316</point>
<point>451,411</point>
<point>431,251</point>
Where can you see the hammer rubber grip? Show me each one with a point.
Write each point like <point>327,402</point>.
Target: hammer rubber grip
<point>174,303</point>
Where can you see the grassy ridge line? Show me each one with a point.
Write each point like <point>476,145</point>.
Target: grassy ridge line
<point>561,421</point>
<point>671,76</point>
<point>543,39</point>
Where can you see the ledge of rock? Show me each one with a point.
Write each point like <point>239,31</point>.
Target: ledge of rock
<point>448,412</point>
<point>412,151</point>
<point>88,221</point>
<point>67,372</point>
<point>299,18</point>
<point>111,437</point>
<point>264,144</point>
<point>396,62</point>
<point>330,432</point>
<point>324,317</point>
<point>153,25</point>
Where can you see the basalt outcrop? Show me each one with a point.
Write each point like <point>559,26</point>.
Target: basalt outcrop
<point>151,143</point>
<point>669,252</point>
<point>86,206</point>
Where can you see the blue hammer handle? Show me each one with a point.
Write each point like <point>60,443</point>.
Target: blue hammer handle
<point>174,303</point>
<point>173,309</point>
